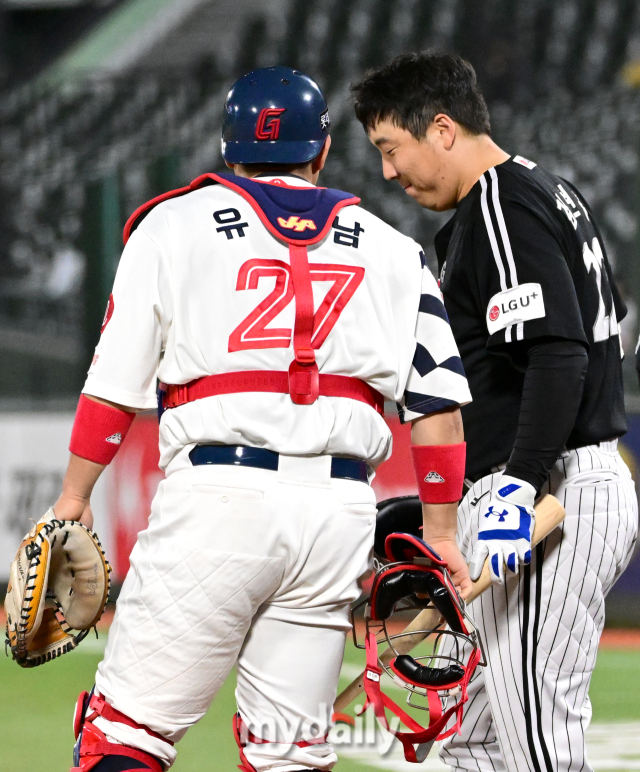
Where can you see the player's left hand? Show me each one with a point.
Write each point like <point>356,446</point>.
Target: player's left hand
<point>70,507</point>
<point>504,534</point>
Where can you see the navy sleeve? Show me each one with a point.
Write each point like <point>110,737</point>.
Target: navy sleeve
<point>436,378</point>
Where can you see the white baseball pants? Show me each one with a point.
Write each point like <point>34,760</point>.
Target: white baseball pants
<point>249,567</point>
<point>529,708</point>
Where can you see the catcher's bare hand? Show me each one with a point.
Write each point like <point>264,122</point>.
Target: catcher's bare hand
<point>77,485</point>
<point>73,507</point>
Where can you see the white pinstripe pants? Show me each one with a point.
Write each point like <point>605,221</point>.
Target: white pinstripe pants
<point>529,708</point>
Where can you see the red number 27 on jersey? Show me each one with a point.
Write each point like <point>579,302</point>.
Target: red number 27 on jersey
<point>252,332</point>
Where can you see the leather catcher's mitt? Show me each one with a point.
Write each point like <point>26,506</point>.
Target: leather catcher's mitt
<point>58,583</point>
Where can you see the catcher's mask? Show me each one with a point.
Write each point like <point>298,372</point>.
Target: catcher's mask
<point>415,577</point>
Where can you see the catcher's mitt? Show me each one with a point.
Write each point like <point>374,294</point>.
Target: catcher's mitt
<point>58,583</point>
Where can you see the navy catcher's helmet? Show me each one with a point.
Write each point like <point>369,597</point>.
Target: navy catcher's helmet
<point>274,115</point>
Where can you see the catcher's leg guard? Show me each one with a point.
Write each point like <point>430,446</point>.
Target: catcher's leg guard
<point>93,751</point>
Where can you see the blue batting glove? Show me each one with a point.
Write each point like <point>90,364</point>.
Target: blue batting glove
<point>504,534</point>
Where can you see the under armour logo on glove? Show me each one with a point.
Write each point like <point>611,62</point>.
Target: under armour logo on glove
<point>502,515</point>
<point>504,530</point>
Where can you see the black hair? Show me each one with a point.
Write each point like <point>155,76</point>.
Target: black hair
<point>413,88</point>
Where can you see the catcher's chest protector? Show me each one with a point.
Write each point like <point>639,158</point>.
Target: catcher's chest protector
<point>300,217</point>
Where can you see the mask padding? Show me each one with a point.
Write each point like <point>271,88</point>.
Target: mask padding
<point>396,586</point>
<point>443,601</point>
<point>427,676</point>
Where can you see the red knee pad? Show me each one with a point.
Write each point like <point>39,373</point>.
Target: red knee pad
<point>93,746</point>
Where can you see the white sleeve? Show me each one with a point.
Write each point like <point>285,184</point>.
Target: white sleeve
<point>126,360</point>
<point>436,378</point>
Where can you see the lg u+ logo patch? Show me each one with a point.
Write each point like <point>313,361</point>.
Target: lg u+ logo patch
<point>515,305</point>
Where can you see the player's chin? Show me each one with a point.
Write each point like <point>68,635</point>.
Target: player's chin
<point>425,198</point>
<point>414,193</point>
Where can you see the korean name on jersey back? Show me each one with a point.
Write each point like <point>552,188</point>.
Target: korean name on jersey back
<point>515,305</point>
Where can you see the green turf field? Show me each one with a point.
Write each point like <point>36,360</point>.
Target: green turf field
<point>36,713</point>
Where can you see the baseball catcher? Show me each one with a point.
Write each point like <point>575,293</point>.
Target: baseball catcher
<point>278,316</point>
<point>58,584</point>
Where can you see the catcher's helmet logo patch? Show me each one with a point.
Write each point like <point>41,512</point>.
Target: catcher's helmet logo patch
<point>294,223</point>
<point>268,126</point>
<point>116,438</point>
<point>434,477</point>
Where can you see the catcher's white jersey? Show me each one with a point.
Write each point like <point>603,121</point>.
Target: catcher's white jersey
<point>203,288</point>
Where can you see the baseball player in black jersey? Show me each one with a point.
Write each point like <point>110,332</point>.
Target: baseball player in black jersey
<point>535,311</point>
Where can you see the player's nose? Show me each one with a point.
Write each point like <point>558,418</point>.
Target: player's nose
<point>388,170</point>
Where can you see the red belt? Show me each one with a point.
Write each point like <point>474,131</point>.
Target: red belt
<point>274,381</point>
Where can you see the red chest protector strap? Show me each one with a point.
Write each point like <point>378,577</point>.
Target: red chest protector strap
<point>304,381</point>
<point>274,381</point>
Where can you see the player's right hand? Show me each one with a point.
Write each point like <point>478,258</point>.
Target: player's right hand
<point>456,565</point>
<point>505,528</point>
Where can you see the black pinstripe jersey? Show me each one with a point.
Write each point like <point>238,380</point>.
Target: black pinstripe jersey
<point>522,259</point>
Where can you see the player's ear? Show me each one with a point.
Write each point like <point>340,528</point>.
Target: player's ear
<point>444,129</point>
<point>317,165</point>
<point>229,165</point>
